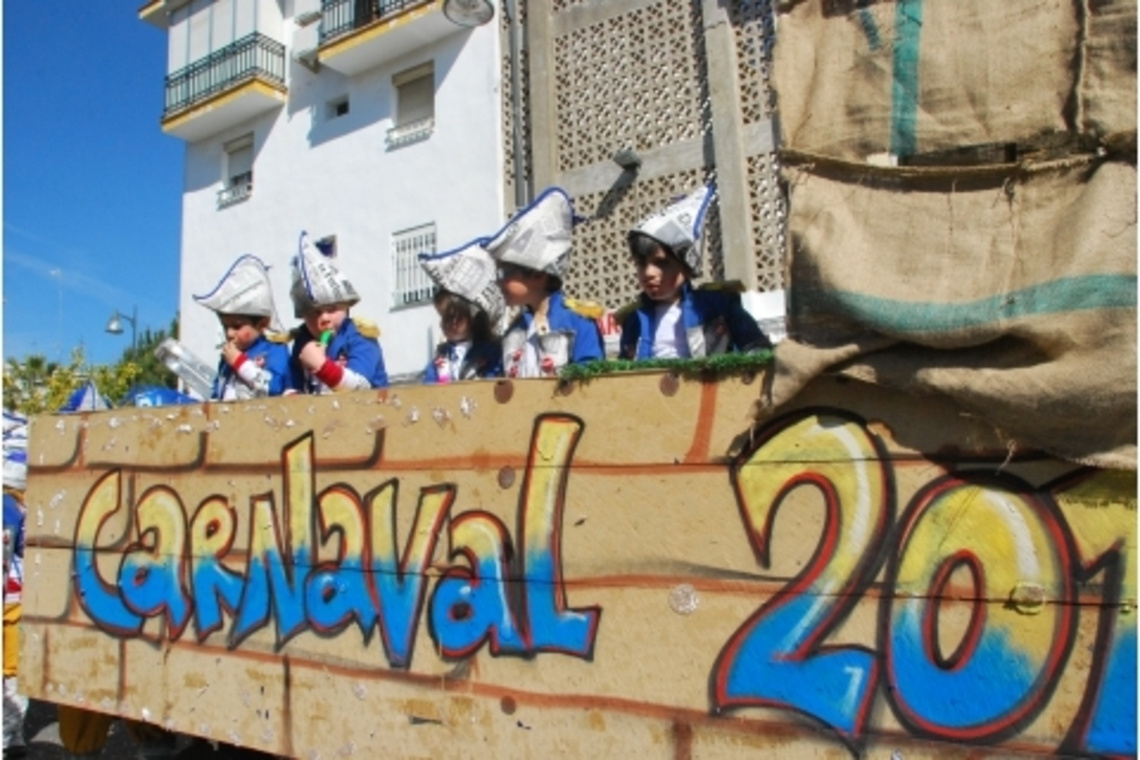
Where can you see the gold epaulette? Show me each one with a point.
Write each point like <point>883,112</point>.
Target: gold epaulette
<point>622,314</point>
<point>587,309</point>
<point>366,328</point>
<point>729,286</point>
<point>278,337</point>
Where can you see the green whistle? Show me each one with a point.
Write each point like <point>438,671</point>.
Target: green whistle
<point>326,337</point>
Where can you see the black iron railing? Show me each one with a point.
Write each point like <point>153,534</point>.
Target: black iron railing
<point>240,188</point>
<point>342,16</point>
<point>254,55</point>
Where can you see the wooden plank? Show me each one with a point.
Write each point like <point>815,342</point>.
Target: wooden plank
<point>628,564</point>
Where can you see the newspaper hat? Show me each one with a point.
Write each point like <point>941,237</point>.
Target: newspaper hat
<point>316,282</point>
<point>16,469</point>
<point>469,272</point>
<point>245,290</point>
<point>15,451</point>
<point>15,427</point>
<point>538,237</point>
<point>679,225</point>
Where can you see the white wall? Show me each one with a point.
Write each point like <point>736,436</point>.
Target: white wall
<point>338,177</point>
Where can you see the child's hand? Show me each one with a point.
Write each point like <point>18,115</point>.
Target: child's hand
<point>313,356</point>
<point>230,352</point>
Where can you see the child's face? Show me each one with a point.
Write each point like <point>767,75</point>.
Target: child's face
<point>325,318</point>
<point>242,331</point>
<point>457,328</point>
<point>660,276</point>
<point>521,286</point>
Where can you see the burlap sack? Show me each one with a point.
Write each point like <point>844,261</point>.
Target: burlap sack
<point>1108,92</point>
<point>910,77</point>
<point>1012,293</point>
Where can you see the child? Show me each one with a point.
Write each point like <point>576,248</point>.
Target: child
<point>671,319</point>
<point>15,481</point>
<point>469,303</point>
<point>252,364</point>
<point>331,351</point>
<point>533,251</point>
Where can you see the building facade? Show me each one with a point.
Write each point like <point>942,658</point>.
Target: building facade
<point>381,127</point>
<point>373,126</point>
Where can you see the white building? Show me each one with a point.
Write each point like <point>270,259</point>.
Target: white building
<point>375,125</point>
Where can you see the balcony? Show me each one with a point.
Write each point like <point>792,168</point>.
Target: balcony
<point>157,12</point>
<point>240,188</point>
<point>357,35</point>
<point>406,134</point>
<point>227,87</point>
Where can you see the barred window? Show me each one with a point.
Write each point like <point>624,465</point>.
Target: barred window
<point>411,283</point>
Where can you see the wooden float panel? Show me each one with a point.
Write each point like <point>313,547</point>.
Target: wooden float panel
<point>625,565</point>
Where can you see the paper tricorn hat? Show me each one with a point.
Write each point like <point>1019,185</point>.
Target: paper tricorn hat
<point>15,448</point>
<point>244,289</point>
<point>469,272</point>
<point>679,226</point>
<point>16,469</point>
<point>538,237</point>
<point>316,282</point>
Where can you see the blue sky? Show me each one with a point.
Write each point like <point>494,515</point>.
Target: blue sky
<point>91,185</point>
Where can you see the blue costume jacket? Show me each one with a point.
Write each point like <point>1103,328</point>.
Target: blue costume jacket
<point>357,353</point>
<point>272,361</point>
<point>715,322</point>
<point>14,551</point>
<point>482,360</point>
<point>14,522</point>
<point>572,338</point>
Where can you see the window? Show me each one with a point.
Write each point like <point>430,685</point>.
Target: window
<point>415,105</point>
<point>412,284</point>
<point>338,107</point>
<point>237,173</point>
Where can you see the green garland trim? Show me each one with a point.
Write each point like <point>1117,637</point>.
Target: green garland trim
<point>721,365</point>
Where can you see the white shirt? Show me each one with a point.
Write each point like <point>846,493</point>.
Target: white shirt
<point>456,353</point>
<point>530,366</point>
<point>669,339</point>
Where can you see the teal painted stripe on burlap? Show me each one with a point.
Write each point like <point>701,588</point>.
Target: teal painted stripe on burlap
<point>904,91</point>
<point>870,29</point>
<point>1098,291</point>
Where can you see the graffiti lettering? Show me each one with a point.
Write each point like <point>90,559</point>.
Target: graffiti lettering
<point>1024,560</point>
<point>978,581</point>
<point>470,605</point>
<point>1106,544</point>
<point>335,561</point>
<point>1015,547</point>
<point>150,580</point>
<point>776,657</point>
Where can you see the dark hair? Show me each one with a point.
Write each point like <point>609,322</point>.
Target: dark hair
<point>253,319</point>
<point>452,306</point>
<point>553,282</point>
<point>642,246</point>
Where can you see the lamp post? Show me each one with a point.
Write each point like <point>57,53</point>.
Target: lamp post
<point>115,326</point>
<point>472,13</point>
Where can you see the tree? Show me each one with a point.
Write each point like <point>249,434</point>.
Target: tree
<point>151,370</point>
<point>36,385</point>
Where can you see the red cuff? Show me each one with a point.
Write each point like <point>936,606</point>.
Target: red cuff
<point>330,373</point>
<point>241,359</point>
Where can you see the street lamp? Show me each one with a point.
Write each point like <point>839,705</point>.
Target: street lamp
<point>115,326</point>
<point>468,12</point>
